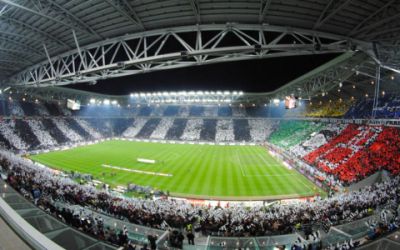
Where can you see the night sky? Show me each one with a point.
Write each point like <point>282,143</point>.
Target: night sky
<point>249,76</point>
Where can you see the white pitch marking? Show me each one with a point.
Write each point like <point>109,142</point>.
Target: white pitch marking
<point>137,171</point>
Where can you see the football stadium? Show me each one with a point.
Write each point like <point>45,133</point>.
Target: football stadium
<point>199,124</point>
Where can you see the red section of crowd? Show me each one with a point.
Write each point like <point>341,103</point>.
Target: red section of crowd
<point>358,152</point>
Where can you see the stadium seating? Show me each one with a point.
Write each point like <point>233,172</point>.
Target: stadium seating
<point>192,130</point>
<point>176,130</point>
<point>171,111</point>
<point>224,131</point>
<point>68,132</point>
<point>317,139</point>
<point>339,153</point>
<point>209,130</point>
<point>196,110</point>
<point>224,111</point>
<point>11,137</point>
<point>54,131</point>
<point>336,108</point>
<point>162,128</point>
<point>24,131</point>
<point>91,131</point>
<point>261,129</point>
<point>129,127</point>
<point>41,133</point>
<point>102,126</point>
<point>241,130</point>
<point>28,108</point>
<point>77,128</point>
<point>238,220</point>
<point>15,109</point>
<point>357,152</point>
<point>291,133</point>
<point>52,108</point>
<point>388,107</point>
<point>148,128</point>
<point>145,111</point>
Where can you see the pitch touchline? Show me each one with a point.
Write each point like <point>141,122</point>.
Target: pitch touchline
<point>137,171</point>
<point>255,175</point>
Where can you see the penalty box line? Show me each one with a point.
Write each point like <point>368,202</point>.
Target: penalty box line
<point>137,171</point>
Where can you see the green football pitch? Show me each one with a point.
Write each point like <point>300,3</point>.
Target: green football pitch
<point>198,171</point>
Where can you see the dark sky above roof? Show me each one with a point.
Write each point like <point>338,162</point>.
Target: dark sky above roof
<point>249,76</point>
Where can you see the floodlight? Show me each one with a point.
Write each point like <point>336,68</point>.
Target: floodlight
<point>114,102</point>
<point>226,92</point>
<point>106,102</point>
<point>276,101</point>
<point>92,101</point>
<point>132,95</point>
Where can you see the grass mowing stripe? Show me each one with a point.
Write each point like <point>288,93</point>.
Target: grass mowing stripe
<point>197,169</point>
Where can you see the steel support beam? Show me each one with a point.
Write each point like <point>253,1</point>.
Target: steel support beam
<point>194,4</point>
<point>56,15</point>
<point>144,52</point>
<point>33,30</point>
<point>331,9</point>
<point>376,13</point>
<point>126,10</point>
<point>264,6</point>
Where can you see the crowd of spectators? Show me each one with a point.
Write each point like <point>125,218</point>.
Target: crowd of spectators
<point>317,139</point>
<point>388,108</point>
<point>290,133</point>
<point>235,220</point>
<point>15,109</point>
<point>134,128</point>
<point>260,130</point>
<point>192,130</point>
<point>6,129</point>
<point>88,128</point>
<point>357,152</point>
<point>66,130</point>
<point>224,131</point>
<point>162,128</point>
<point>41,133</point>
<point>328,108</point>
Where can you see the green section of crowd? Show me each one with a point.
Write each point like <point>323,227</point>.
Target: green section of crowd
<point>290,133</point>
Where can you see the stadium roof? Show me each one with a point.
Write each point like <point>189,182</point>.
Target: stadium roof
<point>56,42</point>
